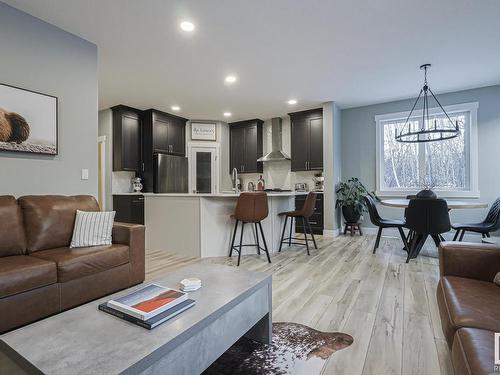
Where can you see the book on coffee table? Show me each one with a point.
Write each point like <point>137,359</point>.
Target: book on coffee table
<point>147,302</point>
<point>154,321</point>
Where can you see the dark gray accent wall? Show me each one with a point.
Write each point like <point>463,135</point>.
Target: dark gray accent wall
<point>41,57</point>
<point>358,144</point>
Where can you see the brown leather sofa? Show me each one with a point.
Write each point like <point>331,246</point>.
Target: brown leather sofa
<point>469,304</point>
<point>40,275</point>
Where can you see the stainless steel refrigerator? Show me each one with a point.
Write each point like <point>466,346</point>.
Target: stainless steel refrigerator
<point>170,174</point>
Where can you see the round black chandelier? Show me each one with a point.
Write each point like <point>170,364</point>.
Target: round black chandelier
<point>428,132</point>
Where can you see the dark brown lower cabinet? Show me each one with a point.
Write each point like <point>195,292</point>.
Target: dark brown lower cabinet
<point>129,208</point>
<point>316,220</point>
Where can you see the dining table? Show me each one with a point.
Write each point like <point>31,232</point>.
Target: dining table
<point>452,205</point>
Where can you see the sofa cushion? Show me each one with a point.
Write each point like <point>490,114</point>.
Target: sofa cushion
<point>11,228</point>
<point>468,303</point>
<point>49,219</point>
<point>75,263</point>
<point>92,229</point>
<point>496,280</point>
<point>472,352</point>
<point>20,273</point>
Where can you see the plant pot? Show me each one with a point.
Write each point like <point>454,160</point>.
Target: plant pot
<point>351,215</point>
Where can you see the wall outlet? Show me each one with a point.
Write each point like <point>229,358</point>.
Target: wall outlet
<point>85,174</point>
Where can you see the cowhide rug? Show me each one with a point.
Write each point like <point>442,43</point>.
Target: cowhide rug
<point>295,349</point>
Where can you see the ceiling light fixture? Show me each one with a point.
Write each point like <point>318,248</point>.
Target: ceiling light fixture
<point>292,102</point>
<point>175,108</point>
<point>231,79</point>
<point>227,114</point>
<point>187,26</point>
<point>429,130</point>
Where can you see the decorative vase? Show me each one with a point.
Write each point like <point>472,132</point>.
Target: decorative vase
<point>261,185</point>
<point>136,185</point>
<point>351,215</point>
<point>426,194</point>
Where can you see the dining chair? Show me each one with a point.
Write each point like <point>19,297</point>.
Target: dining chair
<point>409,237</point>
<point>490,224</point>
<point>383,223</point>
<point>426,217</point>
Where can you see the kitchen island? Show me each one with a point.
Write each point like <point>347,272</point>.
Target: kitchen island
<point>200,225</point>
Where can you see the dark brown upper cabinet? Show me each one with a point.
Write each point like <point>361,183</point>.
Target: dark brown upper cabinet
<point>126,139</point>
<point>165,133</point>
<point>307,140</point>
<point>162,133</point>
<point>245,139</point>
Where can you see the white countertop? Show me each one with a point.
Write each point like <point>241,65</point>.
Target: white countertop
<point>225,195</point>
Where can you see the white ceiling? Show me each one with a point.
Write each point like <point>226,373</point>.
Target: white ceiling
<point>354,52</point>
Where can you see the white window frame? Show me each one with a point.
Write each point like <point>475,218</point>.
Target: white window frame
<point>473,191</point>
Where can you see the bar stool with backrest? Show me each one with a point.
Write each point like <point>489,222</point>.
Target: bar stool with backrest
<point>251,208</point>
<point>304,214</point>
<point>426,217</point>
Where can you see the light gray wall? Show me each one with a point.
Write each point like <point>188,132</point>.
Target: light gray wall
<point>105,128</point>
<point>337,160</point>
<point>358,144</point>
<point>41,57</point>
<point>331,163</point>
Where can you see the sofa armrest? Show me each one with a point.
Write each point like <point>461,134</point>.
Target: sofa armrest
<point>470,260</point>
<point>132,235</point>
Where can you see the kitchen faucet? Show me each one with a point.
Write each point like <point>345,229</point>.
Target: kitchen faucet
<point>234,178</point>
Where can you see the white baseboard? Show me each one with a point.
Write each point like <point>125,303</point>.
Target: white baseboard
<point>331,233</point>
<point>393,232</point>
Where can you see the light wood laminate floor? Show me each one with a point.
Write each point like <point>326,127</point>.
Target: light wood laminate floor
<point>388,306</point>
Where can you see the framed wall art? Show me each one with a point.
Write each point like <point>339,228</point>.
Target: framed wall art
<point>28,121</point>
<point>203,131</point>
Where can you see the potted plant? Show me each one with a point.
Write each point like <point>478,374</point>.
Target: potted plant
<point>350,197</point>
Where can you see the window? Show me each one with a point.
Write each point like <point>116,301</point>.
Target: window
<point>448,167</point>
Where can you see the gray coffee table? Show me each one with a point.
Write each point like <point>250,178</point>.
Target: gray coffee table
<point>232,303</point>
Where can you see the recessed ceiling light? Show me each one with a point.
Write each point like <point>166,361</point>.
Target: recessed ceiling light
<point>175,108</point>
<point>187,26</point>
<point>292,102</point>
<point>227,114</point>
<point>231,79</point>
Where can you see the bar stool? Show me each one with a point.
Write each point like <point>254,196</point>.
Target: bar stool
<point>304,213</point>
<point>250,209</point>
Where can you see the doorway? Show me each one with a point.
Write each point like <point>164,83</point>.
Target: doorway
<point>203,166</point>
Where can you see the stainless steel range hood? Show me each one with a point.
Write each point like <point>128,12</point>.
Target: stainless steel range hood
<point>276,153</point>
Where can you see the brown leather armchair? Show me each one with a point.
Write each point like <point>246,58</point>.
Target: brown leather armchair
<point>469,304</point>
<point>40,275</point>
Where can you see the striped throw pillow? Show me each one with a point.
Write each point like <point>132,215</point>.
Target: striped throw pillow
<point>92,228</point>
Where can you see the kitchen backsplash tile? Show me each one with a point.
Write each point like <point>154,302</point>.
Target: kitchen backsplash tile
<point>279,175</point>
<point>121,182</point>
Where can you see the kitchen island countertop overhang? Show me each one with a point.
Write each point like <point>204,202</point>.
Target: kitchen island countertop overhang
<point>200,225</point>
